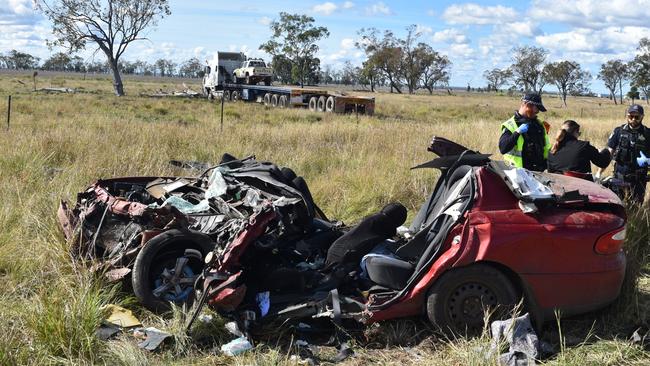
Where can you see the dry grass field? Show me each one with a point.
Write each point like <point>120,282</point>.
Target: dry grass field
<point>59,143</point>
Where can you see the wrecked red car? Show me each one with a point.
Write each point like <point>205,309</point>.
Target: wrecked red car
<point>257,248</point>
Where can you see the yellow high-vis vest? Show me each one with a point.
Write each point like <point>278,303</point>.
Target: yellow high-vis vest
<point>513,157</point>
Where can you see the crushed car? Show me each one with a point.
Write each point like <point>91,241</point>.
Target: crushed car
<point>247,239</point>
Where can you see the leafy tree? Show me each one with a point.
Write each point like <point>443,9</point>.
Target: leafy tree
<point>633,93</point>
<point>294,37</point>
<point>281,69</point>
<point>497,78</point>
<point>192,68</point>
<point>58,62</point>
<point>415,58</point>
<point>436,69</point>
<point>165,67</point>
<point>19,60</point>
<point>568,77</point>
<point>640,68</point>
<point>613,73</point>
<point>111,25</point>
<point>384,53</point>
<point>370,75</point>
<point>350,74</point>
<point>526,68</point>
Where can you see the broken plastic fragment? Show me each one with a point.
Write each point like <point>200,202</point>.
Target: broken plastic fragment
<point>527,185</point>
<point>263,300</point>
<point>152,338</point>
<point>233,328</point>
<point>183,205</point>
<point>252,198</point>
<point>120,316</point>
<point>217,186</point>
<point>236,346</point>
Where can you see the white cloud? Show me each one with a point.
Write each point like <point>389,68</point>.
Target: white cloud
<point>325,8</point>
<point>477,14</point>
<point>592,13</point>
<point>524,29</point>
<point>20,7</point>
<point>379,9</point>
<point>449,36</point>
<point>264,21</point>
<point>347,5</point>
<point>604,42</point>
<point>347,43</point>
<point>423,29</point>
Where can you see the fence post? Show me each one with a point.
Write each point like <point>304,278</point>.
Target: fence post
<point>222,101</point>
<point>8,111</point>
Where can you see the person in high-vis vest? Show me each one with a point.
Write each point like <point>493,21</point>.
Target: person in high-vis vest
<point>524,140</point>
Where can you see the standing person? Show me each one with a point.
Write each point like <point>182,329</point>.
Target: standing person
<point>524,140</point>
<point>570,155</point>
<point>630,148</point>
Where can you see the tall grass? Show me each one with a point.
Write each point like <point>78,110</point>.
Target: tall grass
<point>59,143</point>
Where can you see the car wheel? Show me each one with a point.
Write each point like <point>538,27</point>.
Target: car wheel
<point>458,301</point>
<point>166,268</point>
<point>267,81</point>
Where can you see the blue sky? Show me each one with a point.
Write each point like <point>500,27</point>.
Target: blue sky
<point>476,35</point>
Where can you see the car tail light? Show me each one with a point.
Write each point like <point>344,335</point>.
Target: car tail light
<point>612,242</point>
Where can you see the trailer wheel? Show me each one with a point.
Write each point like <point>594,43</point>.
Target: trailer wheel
<point>282,102</point>
<point>274,100</point>
<point>235,95</point>
<point>312,104</point>
<point>267,99</point>
<point>226,95</point>
<point>321,104</point>
<point>329,105</point>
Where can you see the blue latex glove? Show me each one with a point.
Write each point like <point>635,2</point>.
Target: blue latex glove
<point>523,128</point>
<point>643,160</point>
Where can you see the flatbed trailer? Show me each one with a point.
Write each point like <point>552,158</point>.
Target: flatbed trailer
<point>316,100</point>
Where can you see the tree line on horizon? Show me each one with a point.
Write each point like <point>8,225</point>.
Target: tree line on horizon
<point>402,64</point>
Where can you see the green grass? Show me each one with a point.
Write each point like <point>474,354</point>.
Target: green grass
<point>59,143</point>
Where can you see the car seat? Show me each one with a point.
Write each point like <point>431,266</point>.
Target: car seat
<point>374,229</point>
<point>394,272</point>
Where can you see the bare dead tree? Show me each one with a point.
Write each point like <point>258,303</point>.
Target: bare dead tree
<point>111,25</point>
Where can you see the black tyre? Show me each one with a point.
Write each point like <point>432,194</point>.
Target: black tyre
<point>312,104</point>
<point>226,96</point>
<point>458,301</point>
<point>267,99</point>
<point>282,101</point>
<point>164,273</point>
<point>329,104</point>
<point>274,100</point>
<point>320,104</point>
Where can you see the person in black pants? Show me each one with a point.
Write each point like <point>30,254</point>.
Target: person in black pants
<point>570,155</point>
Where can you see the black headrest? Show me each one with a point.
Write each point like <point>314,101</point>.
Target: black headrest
<point>395,214</point>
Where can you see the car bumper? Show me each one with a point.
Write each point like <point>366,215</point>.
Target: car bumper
<point>575,293</point>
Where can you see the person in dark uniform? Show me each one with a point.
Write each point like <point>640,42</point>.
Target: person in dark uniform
<point>524,140</point>
<point>630,148</point>
<point>570,155</point>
